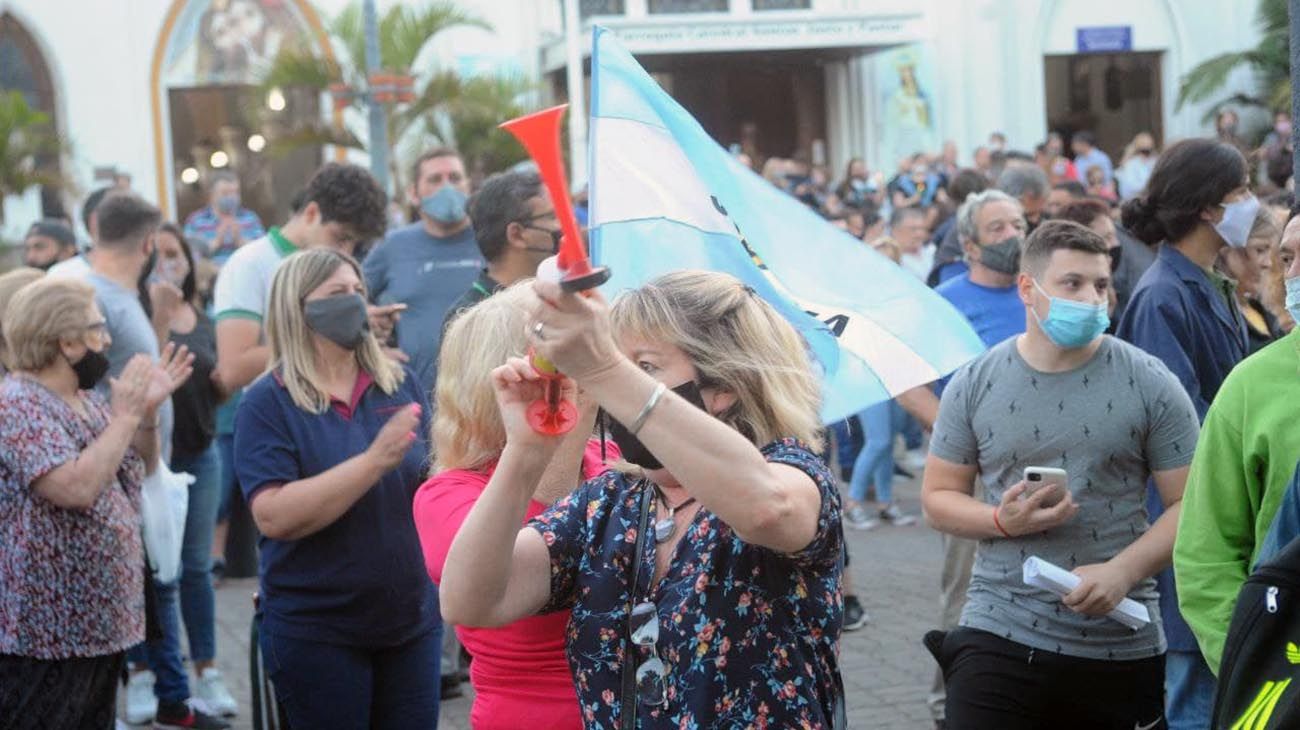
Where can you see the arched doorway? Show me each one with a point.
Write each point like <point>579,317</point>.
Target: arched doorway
<point>205,114</point>
<point>23,68</point>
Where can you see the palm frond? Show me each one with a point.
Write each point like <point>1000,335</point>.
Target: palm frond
<point>406,31</point>
<point>313,135</point>
<point>299,67</point>
<point>1209,76</point>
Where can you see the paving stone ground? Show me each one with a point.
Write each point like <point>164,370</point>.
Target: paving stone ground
<point>895,571</point>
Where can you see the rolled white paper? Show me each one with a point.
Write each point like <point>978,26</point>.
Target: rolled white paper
<point>1044,575</point>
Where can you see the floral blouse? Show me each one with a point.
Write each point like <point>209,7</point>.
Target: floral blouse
<point>71,580</point>
<point>750,637</point>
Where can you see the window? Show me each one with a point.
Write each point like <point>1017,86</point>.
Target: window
<point>688,6</point>
<point>782,4</point>
<point>588,8</point>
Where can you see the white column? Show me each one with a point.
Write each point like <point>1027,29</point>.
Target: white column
<point>636,9</point>
<point>573,45</point>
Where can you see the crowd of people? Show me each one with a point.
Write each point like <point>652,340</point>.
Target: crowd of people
<point>677,559</point>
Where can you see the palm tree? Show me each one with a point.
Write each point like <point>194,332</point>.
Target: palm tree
<point>1269,61</point>
<point>27,144</point>
<point>441,95</point>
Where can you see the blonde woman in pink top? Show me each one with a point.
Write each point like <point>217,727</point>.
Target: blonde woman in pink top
<point>520,675</point>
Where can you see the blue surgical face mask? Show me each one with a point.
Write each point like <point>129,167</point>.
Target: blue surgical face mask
<point>1293,297</point>
<point>1070,324</point>
<point>1238,218</point>
<point>445,205</point>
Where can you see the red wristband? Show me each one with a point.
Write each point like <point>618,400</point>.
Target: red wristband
<point>998,524</point>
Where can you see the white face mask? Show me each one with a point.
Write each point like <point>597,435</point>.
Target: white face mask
<point>1238,218</point>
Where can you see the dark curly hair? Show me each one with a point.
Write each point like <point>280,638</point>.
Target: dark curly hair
<point>1191,176</point>
<point>349,195</point>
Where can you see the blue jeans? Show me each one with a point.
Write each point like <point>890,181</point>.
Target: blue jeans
<point>875,463</point>
<point>229,482</point>
<point>327,686</point>
<point>1189,691</point>
<point>194,587</point>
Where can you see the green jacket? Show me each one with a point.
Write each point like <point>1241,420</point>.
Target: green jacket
<point>1246,456</point>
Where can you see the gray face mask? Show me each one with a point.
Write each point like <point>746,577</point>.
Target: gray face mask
<point>1002,257</point>
<point>340,319</point>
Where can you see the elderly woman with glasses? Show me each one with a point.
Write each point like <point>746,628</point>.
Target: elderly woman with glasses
<point>329,449</point>
<point>71,578</point>
<point>704,583</point>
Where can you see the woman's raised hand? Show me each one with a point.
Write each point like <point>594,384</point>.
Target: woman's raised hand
<point>572,331</point>
<point>517,386</point>
<point>169,373</point>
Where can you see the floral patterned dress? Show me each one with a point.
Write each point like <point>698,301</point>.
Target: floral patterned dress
<point>750,636</point>
<point>71,580</point>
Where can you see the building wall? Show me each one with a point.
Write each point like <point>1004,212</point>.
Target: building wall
<point>987,58</point>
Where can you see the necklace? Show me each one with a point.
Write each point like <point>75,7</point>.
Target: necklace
<point>665,527</point>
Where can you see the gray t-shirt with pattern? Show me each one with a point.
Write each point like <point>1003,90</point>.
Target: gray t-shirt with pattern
<point>1109,424</point>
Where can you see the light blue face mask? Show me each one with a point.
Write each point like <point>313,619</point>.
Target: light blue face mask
<point>445,205</point>
<point>1069,324</point>
<point>1293,297</point>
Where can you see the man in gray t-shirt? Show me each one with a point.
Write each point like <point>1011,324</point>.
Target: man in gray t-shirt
<point>1062,395</point>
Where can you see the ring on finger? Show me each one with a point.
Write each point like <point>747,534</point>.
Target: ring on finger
<point>537,331</point>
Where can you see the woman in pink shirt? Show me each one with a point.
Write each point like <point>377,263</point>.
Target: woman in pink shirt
<point>520,675</point>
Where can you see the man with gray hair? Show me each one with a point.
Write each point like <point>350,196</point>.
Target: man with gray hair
<point>1025,182</point>
<point>516,228</point>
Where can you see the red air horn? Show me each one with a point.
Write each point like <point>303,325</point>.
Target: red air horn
<point>540,135</point>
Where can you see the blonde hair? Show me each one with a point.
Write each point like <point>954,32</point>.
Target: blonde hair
<point>10,283</point>
<point>292,351</point>
<point>738,343</point>
<point>467,432</point>
<point>39,315</point>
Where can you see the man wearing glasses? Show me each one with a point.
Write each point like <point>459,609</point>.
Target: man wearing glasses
<point>516,227</point>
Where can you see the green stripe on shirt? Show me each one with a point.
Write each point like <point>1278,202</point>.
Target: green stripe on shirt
<point>238,314</point>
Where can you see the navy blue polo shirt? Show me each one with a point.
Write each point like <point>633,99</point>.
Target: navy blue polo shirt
<point>361,581</point>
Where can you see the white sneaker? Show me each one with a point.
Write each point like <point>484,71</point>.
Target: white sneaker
<point>141,705</point>
<point>212,692</point>
<point>914,460</point>
<point>857,518</point>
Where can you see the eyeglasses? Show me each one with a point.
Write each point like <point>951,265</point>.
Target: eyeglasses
<point>652,674</point>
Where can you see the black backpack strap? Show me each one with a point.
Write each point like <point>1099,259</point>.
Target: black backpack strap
<point>628,704</point>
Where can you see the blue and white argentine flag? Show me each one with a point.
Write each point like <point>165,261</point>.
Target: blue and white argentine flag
<point>664,196</point>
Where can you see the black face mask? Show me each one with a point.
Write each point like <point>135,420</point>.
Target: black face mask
<point>90,369</point>
<point>633,450</point>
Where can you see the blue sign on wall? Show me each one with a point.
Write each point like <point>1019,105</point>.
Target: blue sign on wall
<point>1104,39</point>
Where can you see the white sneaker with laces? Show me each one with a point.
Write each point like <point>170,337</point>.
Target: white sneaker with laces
<point>857,518</point>
<point>211,690</point>
<point>141,705</point>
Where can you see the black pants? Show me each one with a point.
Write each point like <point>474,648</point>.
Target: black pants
<point>59,694</point>
<point>996,684</point>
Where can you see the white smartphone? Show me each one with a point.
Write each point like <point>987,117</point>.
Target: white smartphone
<point>1039,477</point>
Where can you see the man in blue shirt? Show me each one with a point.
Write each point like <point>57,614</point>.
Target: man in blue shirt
<point>1086,155</point>
<point>223,225</point>
<point>429,264</point>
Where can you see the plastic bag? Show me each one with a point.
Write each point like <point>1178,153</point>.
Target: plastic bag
<point>164,500</point>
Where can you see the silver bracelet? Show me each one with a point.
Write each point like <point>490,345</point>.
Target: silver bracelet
<point>650,404</point>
